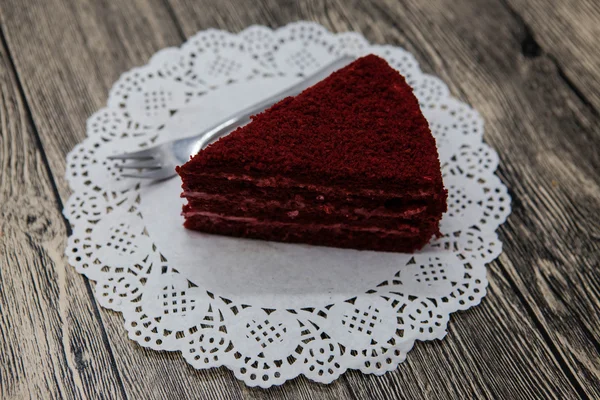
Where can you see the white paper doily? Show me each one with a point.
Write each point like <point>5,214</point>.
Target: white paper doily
<point>270,311</point>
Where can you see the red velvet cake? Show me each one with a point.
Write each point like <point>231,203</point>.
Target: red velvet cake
<point>350,162</point>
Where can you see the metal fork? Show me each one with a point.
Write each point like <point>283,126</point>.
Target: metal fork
<point>159,162</point>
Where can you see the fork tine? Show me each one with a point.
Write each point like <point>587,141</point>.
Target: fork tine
<point>140,166</point>
<point>136,155</point>
<point>129,157</point>
<point>156,174</point>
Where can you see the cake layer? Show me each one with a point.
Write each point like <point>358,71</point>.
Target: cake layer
<point>362,125</point>
<point>238,191</point>
<point>337,235</point>
<point>310,183</point>
<point>396,227</point>
<point>387,224</point>
<point>303,212</point>
<point>216,182</point>
<point>276,199</point>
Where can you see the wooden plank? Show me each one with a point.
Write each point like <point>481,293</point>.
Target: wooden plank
<point>567,32</point>
<point>51,343</point>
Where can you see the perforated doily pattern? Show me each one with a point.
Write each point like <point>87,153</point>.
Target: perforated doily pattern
<point>370,331</point>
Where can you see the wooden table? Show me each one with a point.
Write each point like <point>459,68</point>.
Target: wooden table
<point>530,67</point>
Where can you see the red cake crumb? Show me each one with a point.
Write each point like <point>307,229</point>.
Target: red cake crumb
<point>357,138</point>
<point>354,124</point>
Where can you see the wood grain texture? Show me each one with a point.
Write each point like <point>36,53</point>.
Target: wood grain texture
<point>535,335</point>
<point>104,40</point>
<point>51,341</point>
<point>567,32</point>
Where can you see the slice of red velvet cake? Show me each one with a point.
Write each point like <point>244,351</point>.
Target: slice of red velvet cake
<point>350,162</point>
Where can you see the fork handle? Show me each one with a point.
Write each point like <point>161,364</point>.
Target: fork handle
<point>242,117</point>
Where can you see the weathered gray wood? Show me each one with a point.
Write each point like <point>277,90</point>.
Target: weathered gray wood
<point>535,333</point>
<point>567,32</point>
<point>51,341</point>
